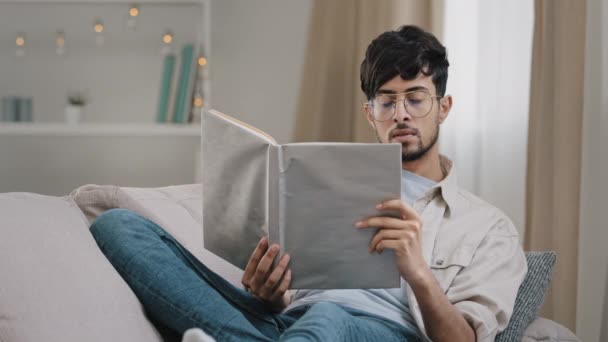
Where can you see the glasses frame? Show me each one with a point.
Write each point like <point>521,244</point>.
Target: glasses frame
<point>370,103</point>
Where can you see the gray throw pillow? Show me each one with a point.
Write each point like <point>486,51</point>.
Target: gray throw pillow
<point>530,295</point>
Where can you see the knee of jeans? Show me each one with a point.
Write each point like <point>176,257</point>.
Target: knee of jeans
<point>110,223</point>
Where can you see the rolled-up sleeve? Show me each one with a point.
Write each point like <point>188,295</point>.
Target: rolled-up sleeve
<point>484,291</point>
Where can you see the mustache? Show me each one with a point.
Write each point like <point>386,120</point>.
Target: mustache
<point>401,126</point>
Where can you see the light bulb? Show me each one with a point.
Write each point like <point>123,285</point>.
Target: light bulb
<point>20,40</point>
<point>98,27</point>
<point>202,61</point>
<point>134,11</point>
<point>168,38</point>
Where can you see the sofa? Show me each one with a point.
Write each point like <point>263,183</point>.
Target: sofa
<point>56,285</point>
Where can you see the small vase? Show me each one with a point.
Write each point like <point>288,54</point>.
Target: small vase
<point>73,114</point>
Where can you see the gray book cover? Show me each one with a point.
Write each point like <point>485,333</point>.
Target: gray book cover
<point>304,196</point>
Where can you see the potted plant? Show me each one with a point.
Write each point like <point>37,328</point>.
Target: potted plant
<point>74,107</point>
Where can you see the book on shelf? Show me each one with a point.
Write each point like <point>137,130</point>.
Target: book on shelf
<point>165,88</point>
<point>304,196</point>
<point>183,94</point>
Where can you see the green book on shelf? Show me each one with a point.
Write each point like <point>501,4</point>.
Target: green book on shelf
<point>183,95</point>
<point>165,88</point>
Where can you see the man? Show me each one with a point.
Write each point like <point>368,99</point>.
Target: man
<point>459,258</point>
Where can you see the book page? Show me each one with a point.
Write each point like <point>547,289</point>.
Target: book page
<point>235,172</point>
<point>325,188</point>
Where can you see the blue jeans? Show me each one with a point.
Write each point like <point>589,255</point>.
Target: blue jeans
<point>179,292</point>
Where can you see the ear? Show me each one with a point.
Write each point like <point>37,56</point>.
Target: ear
<point>368,114</point>
<point>445,105</point>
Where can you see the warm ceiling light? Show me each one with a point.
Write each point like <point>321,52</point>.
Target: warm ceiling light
<point>134,11</point>
<point>20,41</point>
<point>98,27</point>
<point>202,61</point>
<point>167,38</point>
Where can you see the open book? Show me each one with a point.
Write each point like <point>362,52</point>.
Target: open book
<point>304,196</point>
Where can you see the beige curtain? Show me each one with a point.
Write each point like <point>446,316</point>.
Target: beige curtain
<point>330,104</point>
<point>554,147</point>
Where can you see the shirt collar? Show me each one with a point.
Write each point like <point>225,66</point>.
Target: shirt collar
<point>449,185</point>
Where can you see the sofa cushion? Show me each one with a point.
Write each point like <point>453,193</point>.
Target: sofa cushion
<point>178,209</point>
<point>56,284</point>
<point>530,295</point>
<point>546,330</point>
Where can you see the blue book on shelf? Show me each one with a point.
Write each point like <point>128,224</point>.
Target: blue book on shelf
<point>25,109</point>
<point>184,85</point>
<point>10,106</point>
<point>165,88</point>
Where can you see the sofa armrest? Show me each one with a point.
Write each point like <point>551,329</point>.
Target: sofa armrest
<point>542,329</point>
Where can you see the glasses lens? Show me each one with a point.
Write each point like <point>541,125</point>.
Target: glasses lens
<point>418,103</point>
<point>384,107</point>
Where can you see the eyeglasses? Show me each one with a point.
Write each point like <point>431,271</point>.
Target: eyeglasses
<point>417,103</point>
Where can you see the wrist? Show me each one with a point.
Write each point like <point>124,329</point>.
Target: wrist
<point>423,279</point>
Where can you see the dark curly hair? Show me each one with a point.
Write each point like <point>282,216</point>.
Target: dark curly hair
<point>405,52</point>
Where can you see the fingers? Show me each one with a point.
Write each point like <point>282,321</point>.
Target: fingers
<point>268,288</point>
<point>264,267</point>
<point>407,212</point>
<point>253,262</point>
<point>384,222</point>
<point>385,234</point>
<point>282,288</point>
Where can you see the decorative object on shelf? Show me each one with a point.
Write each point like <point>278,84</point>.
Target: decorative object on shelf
<point>98,27</point>
<point>165,88</point>
<point>60,43</point>
<point>132,18</point>
<point>75,107</point>
<point>15,109</point>
<point>20,45</point>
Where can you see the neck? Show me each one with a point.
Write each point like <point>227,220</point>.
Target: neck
<point>427,166</point>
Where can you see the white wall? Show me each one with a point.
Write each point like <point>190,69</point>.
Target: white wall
<point>592,312</point>
<point>257,60</point>
<point>487,131</point>
<point>122,77</point>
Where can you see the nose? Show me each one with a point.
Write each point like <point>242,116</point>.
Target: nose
<point>401,114</point>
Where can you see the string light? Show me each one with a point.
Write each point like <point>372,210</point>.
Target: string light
<point>168,38</point>
<point>20,40</point>
<point>133,11</point>
<point>60,43</point>
<point>98,27</point>
<point>20,45</point>
<point>198,101</point>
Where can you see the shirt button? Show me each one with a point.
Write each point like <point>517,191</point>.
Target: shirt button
<point>439,262</point>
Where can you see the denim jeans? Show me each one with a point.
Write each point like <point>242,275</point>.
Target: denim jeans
<point>179,292</point>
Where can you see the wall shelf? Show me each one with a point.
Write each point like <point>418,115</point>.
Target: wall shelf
<point>99,129</point>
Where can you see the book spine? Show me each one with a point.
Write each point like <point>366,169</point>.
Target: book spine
<point>165,88</point>
<point>9,109</point>
<point>182,100</point>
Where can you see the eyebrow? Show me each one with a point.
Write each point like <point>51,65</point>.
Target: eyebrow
<point>387,91</point>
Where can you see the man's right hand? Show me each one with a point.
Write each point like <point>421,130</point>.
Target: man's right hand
<point>264,282</point>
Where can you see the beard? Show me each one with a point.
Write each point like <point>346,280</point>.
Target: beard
<point>421,150</point>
